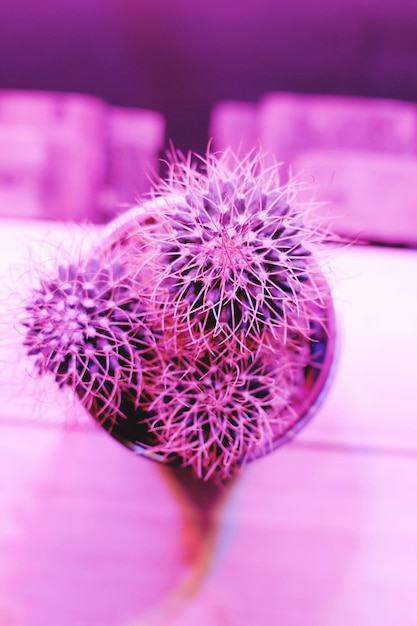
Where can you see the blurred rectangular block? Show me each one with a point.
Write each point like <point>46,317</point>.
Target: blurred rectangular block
<point>289,123</point>
<point>23,170</point>
<point>360,154</point>
<point>234,125</point>
<point>66,134</point>
<point>135,137</point>
<point>72,156</point>
<point>366,195</point>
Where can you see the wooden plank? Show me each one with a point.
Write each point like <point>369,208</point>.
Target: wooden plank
<point>317,538</point>
<point>372,401</point>
<point>101,538</point>
<point>89,534</point>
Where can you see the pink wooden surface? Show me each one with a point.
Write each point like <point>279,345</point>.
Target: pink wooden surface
<point>321,532</point>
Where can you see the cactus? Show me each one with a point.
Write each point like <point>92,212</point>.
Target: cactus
<point>87,327</point>
<point>196,333</point>
<point>235,253</point>
<point>213,408</point>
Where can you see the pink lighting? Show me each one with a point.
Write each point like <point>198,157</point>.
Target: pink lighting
<point>323,530</point>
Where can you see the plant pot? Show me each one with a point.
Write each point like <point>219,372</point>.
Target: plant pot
<point>119,238</point>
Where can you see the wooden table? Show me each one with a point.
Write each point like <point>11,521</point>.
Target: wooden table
<point>323,532</point>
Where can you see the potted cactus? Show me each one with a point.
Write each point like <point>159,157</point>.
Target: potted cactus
<point>200,331</point>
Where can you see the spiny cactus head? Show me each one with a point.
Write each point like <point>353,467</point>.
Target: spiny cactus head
<point>212,409</point>
<point>86,327</point>
<point>235,251</point>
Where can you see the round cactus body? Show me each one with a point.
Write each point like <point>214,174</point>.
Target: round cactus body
<point>87,327</point>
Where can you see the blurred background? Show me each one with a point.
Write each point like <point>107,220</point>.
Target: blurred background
<point>93,92</point>
<point>180,57</point>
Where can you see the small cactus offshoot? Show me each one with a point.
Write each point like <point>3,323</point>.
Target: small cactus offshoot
<point>86,327</point>
<point>201,325</point>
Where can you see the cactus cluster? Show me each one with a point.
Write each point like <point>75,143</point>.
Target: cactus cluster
<point>192,331</point>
